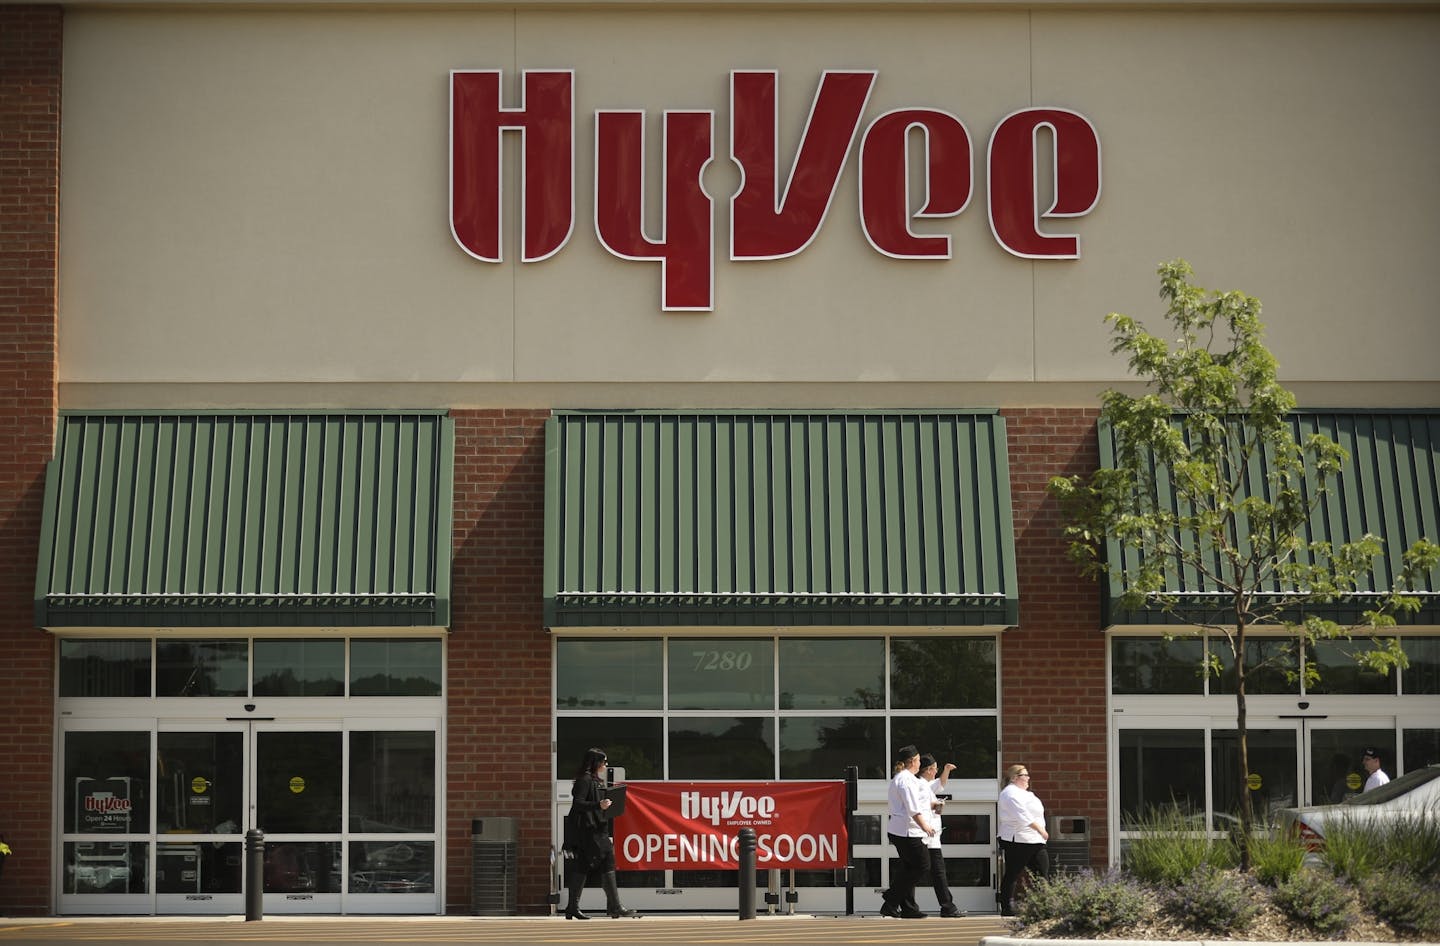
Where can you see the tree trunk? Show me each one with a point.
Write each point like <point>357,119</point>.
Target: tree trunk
<point>1247,809</point>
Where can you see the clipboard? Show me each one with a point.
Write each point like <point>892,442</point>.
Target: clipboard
<point>616,794</point>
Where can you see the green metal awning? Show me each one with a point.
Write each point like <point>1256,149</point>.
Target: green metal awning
<point>247,520</point>
<point>1389,487</point>
<point>765,518</point>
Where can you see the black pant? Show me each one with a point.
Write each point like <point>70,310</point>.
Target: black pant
<point>938,880</point>
<point>1018,857</point>
<point>903,878</point>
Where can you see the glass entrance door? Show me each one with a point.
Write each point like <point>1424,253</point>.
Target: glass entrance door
<point>298,791</point>
<point>202,796</point>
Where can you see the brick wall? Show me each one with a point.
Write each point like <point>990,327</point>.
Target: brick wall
<point>29,178</point>
<point>498,759</point>
<point>1052,713</point>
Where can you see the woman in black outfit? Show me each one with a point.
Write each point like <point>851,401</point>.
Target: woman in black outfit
<point>588,846</point>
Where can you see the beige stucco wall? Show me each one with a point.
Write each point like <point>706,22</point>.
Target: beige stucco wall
<point>260,197</point>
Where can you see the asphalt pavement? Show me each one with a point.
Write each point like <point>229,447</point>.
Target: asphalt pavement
<point>682,930</point>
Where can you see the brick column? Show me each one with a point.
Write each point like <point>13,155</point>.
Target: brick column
<point>498,758</point>
<point>30,38</point>
<point>1052,712</point>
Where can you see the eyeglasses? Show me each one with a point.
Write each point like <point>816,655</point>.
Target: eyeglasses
<point>1023,775</point>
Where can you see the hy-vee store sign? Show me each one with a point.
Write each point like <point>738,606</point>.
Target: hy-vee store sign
<point>771,216</point>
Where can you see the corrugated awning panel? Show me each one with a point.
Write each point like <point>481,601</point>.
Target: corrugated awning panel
<point>1389,487</point>
<point>722,518</point>
<point>211,519</point>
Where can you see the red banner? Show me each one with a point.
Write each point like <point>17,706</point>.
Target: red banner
<point>696,825</point>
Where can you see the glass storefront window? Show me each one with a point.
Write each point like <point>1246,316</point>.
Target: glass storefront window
<point>707,747</point>
<point>617,674</point>
<point>840,673</point>
<point>1271,678</point>
<point>1339,672</point>
<point>392,867</point>
<point>821,747</point>
<point>200,867</point>
<point>302,866</point>
<point>942,673</point>
<point>1146,666</point>
<point>1422,748</point>
<point>722,673</point>
<point>395,667</point>
<point>202,668</point>
<point>1161,767</point>
<point>107,867</point>
<point>968,741</point>
<point>1335,770</point>
<point>1422,677</point>
<point>107,782</point>
<point>392,784</point>
<point>104,668</point>
<point>1273,770</point>
<point>299,667</point>
<point>201,786</point>
<point>297,783</point>
<point>636,743</point>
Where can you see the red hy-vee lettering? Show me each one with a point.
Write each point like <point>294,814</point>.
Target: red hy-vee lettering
<point>106,803</point>
<point>773,215</point>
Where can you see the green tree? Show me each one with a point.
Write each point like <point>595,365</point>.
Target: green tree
<point>1185,497</point>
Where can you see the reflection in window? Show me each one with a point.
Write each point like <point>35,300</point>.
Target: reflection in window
<point>299,667</point>
<point>635,743</point>
<point>618,674</point>
<point>106,867</point>
<point>104,668</point>
<point>1279,675</point>
<point>1151,665</point>
<point>107,782</point>
<point>297,782</point>
<point>720,748</point>
<point>201,782</point>
<point>1422,677</point>
<point>722,673</point>
<point>1161,767</point>
<point>392,781</point>
<point>392,867</point>
<point>814,747</point>
<point>968,741</point>
<point>202,668</point>
<point>1340,673</point>
<point>1272,774</point>
<point>841,673</point>
<point>943,673</point>
<point>302,867</point>
<point>394,667</point>
<point>1335,769</point>
<point>1422,748</point>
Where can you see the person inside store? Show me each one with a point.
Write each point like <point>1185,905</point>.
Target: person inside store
<point>1374,775</point>
<point>588,847</point>
<point>1022,834</point>
<point>933,780</point>
<point>908,828</point>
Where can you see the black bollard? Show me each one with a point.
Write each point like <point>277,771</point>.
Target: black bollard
<point>747,873</point>
<point>254,874</point>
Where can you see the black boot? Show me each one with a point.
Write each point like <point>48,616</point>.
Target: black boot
<point>577,886</point>
<point>612,898</point>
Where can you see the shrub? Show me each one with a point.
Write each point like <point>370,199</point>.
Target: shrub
<point>1412,844</point>
<point>1214,900</point>
<point>1168,847</point>
<point>1354,849</point>
<point>1319,901</point>
<point>1408,904</point>
<point>1275,858</point>
<point>1084,903</point>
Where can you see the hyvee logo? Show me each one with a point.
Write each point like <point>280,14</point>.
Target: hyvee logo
<point>773,215</point>
<point>727,806</point>
<point>106,803</point>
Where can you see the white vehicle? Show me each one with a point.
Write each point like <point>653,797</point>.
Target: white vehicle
<point>1416,794</point>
